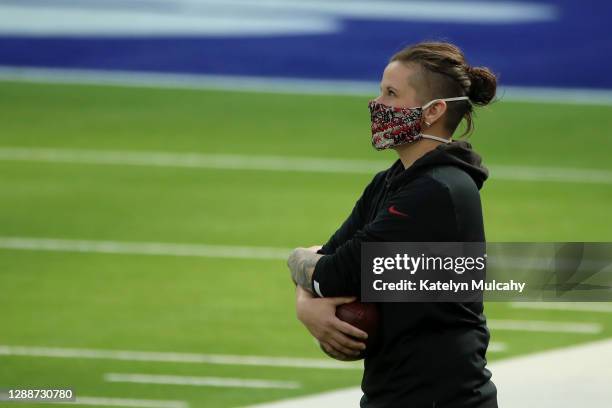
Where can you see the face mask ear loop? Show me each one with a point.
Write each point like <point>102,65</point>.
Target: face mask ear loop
<point>457,98</point>
<point>439,139</point>
<point>428,104</point>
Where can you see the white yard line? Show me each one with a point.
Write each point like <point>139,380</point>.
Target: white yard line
<point>199,381</point>
<point>175,357</point>
<point>194,160</point>
<point>198,250</point>
<point>497,347</point>
<point>172,357</point>
<point>280,163</point>
<point>597,307</point>
<point>566,96</point>
<point>545,326</point>
<point>566,378</point>
<point>124,402</point>
<point>555,174</point>
<point>144,248</point>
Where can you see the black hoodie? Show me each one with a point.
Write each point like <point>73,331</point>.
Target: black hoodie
<point>429,354</point>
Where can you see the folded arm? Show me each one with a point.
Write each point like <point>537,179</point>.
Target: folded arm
<point>301,264</point>
<point>338,339</point>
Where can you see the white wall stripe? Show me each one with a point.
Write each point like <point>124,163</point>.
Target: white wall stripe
<point>566,96</point>
<point>281,163</point>
<point>596,307</point>
<point>144,248</point>
<point>149,19</point>
<point>173,357</point>
<point>199,381</point>
<point>235,17</point>
<point>124,402</point>
<point>545,326</point>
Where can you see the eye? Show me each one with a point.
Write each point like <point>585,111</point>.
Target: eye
<point>391,92</point>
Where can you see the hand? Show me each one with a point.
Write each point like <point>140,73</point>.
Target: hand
<point>337,338</point>
<point>337,355</point>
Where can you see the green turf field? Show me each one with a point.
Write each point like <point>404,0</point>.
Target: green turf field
<point>212,305</point>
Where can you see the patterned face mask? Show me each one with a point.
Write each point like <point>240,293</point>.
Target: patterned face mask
<point>396,126</point>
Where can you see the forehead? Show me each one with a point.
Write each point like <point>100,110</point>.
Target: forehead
<point>398,75</point>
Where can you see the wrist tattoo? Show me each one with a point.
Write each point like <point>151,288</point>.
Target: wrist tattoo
<point>301,263</point>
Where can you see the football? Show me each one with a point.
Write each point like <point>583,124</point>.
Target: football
<point>364,316</point>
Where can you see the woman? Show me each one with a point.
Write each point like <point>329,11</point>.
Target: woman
<point>430,354</point>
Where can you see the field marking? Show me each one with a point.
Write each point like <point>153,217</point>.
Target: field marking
<point>280,163</point>
<point>204,250</point>
<point>199,381</point>
<point>194,160</point>
<point>597,307</point>
<point>555,174</point>
<point>124,402</point>
<point>173,357</point>
<point>292,86</point>
<point>545,326</point>
<point>497,347</point>
<point>144,248</point>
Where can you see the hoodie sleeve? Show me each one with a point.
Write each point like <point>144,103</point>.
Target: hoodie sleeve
<point>424,213</point>
<point>354,222</point>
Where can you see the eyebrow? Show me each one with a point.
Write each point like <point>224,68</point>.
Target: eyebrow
<point>389,87</point>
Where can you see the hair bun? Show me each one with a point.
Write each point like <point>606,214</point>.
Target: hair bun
<point>483,87</point>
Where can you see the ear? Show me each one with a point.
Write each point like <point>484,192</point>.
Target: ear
<point>434,112</point>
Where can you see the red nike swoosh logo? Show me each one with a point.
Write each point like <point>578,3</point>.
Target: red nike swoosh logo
<point>394,211</point>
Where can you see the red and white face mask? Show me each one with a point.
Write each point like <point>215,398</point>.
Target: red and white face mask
<point>396,126</point>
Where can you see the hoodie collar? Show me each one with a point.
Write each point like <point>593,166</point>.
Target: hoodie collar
<point>458,153</point>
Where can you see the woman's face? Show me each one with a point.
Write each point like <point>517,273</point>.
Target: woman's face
<point>396,89</point>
